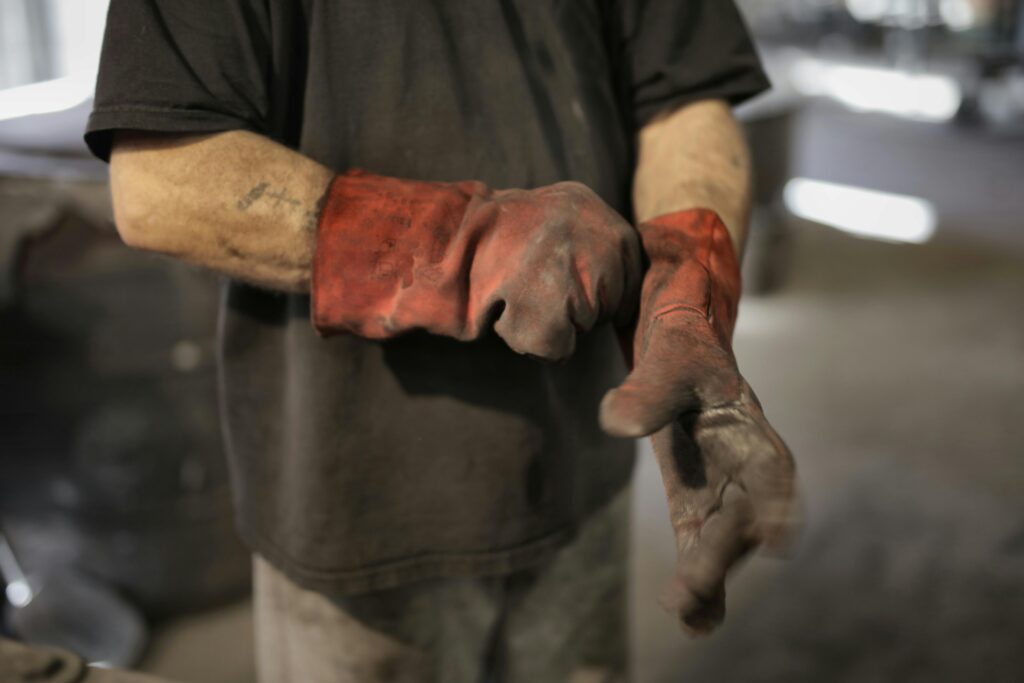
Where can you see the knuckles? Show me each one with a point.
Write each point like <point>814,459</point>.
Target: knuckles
<point>573,247</point>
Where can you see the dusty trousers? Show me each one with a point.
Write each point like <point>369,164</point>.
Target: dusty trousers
<point>564,622</point>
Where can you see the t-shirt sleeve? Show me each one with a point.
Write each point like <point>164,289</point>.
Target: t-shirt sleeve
<point>181,66</point>
<point>679,51</point>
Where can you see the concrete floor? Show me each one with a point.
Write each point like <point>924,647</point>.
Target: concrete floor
<point>896,373</point>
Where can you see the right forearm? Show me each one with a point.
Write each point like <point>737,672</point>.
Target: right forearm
<point>235,202</point>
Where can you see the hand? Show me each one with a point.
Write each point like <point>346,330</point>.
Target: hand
<point>452,258</point>
<point>728,476</point>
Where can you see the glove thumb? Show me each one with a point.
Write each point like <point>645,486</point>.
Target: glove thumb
<point>648,399</point>
<point>681,367</point>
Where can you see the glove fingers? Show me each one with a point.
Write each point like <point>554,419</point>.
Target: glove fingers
<point>713,518</point>
<point>739,439</point>
<point>537,326</point>
<point>705,557</point>
<point>697,615</point>
<point>770,479</point>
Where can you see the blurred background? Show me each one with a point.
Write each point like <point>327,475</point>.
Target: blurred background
<point>883,327</point>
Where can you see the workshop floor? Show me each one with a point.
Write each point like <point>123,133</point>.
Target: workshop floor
<point>896,373</point>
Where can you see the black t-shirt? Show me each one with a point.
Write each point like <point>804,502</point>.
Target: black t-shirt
<point>360,465</point>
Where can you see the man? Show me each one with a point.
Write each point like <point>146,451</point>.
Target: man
<point>429,496</point>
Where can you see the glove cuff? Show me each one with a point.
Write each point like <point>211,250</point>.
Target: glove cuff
<point>692,265</point>
<point>382,248</point>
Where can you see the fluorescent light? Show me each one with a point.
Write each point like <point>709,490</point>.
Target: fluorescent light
<point>921,96</point>
<point>868,10</point>
<point>959,15</point>
<point>46,97</point>
<point>863,212</point>
<point>19,594</point>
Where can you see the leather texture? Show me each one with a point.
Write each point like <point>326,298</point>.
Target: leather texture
<point>452,259</point>
<point>730,479</point>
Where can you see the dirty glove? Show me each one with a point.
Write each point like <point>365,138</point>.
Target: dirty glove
<point>728,476</point>
<point>453,258</point>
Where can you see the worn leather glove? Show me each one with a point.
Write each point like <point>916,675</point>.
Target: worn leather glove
<point>728,475</point>
<point>451,258</point>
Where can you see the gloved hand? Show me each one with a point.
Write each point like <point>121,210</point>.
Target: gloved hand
<point>451,258</point>
<point>728,476</point>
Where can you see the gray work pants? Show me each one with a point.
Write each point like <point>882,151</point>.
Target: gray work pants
<point>563,622</point>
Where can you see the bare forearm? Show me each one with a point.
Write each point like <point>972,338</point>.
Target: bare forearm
<point>695,157</point>
<point>235,202</point>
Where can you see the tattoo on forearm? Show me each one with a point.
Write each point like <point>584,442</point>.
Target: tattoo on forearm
<point>263,190</point>
<point>312,217</point>
<point>310,220</point>
<point>281,197</point>
<point>252,195</point>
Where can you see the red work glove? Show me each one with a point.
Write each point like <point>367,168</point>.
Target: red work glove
<point>728,475</point>
<point>452,258</point>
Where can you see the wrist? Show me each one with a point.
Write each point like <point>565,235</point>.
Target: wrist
<point>692,265</point>
<point>371,232</point>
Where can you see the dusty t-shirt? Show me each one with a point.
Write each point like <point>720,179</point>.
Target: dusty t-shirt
<point>360,465</point>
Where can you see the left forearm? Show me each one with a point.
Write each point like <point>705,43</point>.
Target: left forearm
<point>695,157</point>
<point>684,388</point>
